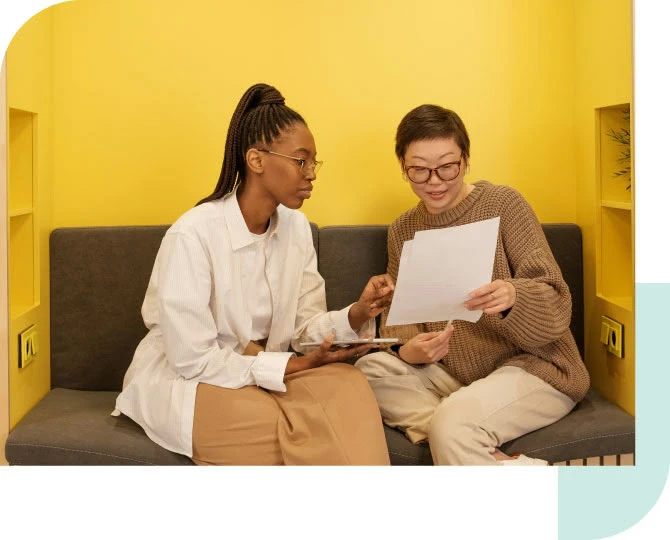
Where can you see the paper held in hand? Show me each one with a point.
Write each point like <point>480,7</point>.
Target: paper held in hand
<point>438,268</point>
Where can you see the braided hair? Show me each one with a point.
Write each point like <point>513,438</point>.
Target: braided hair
<point>260,117</point>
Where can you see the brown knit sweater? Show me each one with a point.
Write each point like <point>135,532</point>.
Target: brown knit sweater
<point>535,334</point>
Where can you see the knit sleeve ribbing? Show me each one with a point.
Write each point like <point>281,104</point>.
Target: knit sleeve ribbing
<point>543,307</point>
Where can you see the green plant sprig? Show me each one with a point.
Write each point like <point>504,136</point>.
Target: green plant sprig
<point>622,137</point>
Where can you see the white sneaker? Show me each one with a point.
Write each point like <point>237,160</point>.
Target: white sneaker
<point>524,460</point>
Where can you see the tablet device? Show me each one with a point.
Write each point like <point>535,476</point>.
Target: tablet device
<point>346,342</point>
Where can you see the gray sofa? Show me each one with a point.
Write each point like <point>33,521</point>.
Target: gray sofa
<point>98,279</point>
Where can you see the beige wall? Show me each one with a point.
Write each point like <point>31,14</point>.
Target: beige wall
<point>4,307</point>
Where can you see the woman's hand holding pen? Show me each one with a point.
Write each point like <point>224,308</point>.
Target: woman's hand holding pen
<point>494,297</point>
<point>325,354</point>
<point>376,295</point>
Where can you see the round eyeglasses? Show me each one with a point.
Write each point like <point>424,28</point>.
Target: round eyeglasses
<point>304,166</point>
<point>446,172</point>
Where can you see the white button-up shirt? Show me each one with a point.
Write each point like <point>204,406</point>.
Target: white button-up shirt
<point>199,322</point>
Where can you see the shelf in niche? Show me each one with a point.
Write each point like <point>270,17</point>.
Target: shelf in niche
<point>20,311</point>
<point>619,205</point>
<point>20,212</point>
<point>625,302</point>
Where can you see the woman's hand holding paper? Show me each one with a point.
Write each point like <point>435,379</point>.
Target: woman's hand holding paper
<point>494,297</point>
<point>427,348</point>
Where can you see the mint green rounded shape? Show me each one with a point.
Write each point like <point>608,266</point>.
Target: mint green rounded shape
<point>598,502</point>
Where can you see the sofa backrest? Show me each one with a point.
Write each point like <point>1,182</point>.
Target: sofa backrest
<point>99,276</point>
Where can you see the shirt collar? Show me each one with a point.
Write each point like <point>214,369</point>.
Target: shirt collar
<point>240,237</point>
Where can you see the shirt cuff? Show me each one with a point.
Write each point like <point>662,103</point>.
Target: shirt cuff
<point>269,370</point>
<point>344,330</point>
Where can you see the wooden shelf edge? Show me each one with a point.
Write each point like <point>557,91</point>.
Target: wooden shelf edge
<point>23,312</point>
<point>20,212</point>
<point>619,205</point>
<point>624,302</point>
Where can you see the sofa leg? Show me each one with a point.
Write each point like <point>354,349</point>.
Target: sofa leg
<point>620,460</point>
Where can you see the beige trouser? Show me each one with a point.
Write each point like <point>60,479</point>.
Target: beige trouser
<point>464,424</point>
<point>327,416</point>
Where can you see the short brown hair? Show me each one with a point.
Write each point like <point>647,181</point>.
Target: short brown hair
<point>431,122</point>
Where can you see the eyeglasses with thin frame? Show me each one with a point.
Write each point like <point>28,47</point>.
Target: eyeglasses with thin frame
<point>445,172</point>
<point>314,165</point>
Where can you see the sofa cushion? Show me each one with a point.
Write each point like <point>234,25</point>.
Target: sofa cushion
<point>74,427</point>
<point>595,427</point>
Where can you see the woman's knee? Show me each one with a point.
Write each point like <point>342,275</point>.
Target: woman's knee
<point>344,372</point>
<point>452,430</point>
<point>381,364</point>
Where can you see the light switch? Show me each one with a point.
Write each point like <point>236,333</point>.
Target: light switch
<point>604,333</point>
<point>613,339</point>
<point>28,346</point>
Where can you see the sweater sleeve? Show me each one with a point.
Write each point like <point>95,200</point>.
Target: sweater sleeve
<point>543,307</point>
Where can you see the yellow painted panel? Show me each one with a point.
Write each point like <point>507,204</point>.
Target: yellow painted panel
<point>604,78</point>
<point>611,376</point>
<point>4,278</point>
<point>28,385</point>
<point>29,89</point>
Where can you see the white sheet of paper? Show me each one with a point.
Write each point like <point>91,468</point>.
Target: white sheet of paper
<point>437,270</point>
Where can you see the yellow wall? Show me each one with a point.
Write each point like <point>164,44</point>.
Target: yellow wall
<point>603,77</point>
<point>144,91</point>
<point>29,82</point>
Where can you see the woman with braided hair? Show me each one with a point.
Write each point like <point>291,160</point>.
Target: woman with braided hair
<point>469,387</point>
<point>234,285</point>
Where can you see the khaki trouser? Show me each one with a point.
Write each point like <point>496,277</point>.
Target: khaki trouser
<point>463,424</point>
<point>327,416</point>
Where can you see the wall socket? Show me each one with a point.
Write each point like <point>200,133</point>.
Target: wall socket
<point>611,335</point>
<point>28,346</point>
